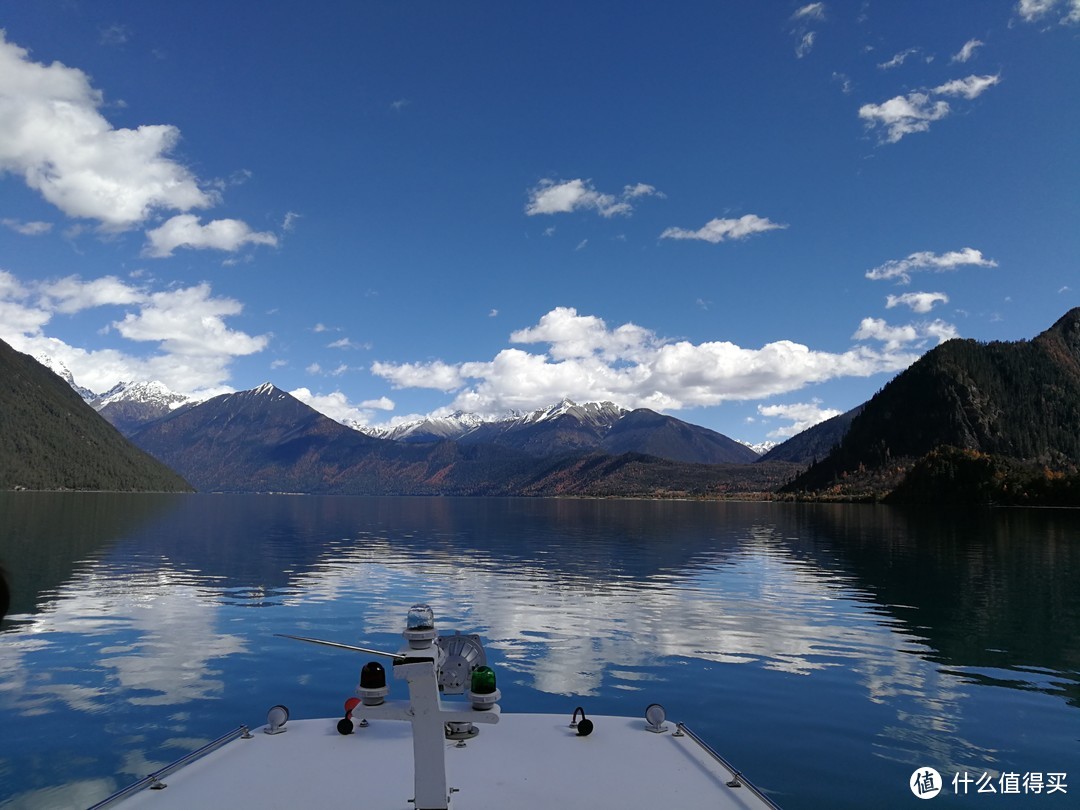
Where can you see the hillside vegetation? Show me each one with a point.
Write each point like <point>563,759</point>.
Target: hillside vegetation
<point>51,439</point>
<point>1013,407</point>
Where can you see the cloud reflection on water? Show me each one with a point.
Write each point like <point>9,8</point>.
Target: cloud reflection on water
<point>583,600</point>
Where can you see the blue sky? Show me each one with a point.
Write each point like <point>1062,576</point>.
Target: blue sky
<point>747,215</point>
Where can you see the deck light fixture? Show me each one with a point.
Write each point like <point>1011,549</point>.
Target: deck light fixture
<point>655,717</point>
<point>276,719</point>
<point>420,627</point>
<point>484,693</point>
<point>372,689</point>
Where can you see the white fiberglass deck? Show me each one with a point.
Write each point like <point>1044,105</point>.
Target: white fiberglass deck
<point>525,761</point>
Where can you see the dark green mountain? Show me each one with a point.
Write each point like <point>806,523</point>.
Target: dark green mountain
<point>816,442</point>
<point>1013,400</point>
<point>51,439</point>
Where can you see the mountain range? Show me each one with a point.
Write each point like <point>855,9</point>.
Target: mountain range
<point>267,440</point>
<point>998,419</point>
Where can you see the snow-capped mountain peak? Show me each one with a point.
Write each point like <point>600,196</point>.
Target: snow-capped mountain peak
<point>152,392</point>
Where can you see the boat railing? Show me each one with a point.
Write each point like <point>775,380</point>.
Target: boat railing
<point>737,778</point>
<point>153,781</point>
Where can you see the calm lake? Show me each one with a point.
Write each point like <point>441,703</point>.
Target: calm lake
<point>827,650</point>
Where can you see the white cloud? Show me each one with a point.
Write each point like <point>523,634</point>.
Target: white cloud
<point>114,34</point>
<point>641,190</point>
<point>1032,10</point>
<point>803,18</point>
<point>901,269</point>
<point>632,366</point>
<point>338,407</point>
<point>190,322</point>
<point>921,302</point>
<point>346,343</point>
<point>26,228</point>
<point>553,197</point>
<point>290,220</point>
<point>968,51</point>
<point>433,374</point>
<point>898,59</point>
<point>185,230</point>
<point>914,112</point>
<point>572,335</point>
<point>720,230</point>
<point>811,11</point>
<point>904,115</point>
<point>899,337</point>
<point>802,415</point>
<point>195,347</point>
<point>380,404</point>
<point>72,294</point>
<point>53,136</point>
<point>971,87</point>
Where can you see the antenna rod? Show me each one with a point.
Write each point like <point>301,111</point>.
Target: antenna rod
<point>340,646</point>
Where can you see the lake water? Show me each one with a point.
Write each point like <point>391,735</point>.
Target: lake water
<point>827,650</point>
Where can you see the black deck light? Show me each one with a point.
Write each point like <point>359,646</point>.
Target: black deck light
<point>372,689</point>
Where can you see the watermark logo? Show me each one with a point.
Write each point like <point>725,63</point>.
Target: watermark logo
<point>925,783</point>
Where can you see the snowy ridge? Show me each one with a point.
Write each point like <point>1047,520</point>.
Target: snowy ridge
<point>460,423</point>
<point>595,413</point>
<point>429,428</point>
<point>153,392</point>
<point>58,368</point>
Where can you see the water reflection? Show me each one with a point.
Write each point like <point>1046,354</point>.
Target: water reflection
<point>862,632</point>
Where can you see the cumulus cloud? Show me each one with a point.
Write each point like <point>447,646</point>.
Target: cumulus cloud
<point>921,302</point>
<point>53,136</point>
<point>631,365</point>
<point>562,197</point>
<point>72,294</point>
<point>968,51</point>
<point>194,345</point>
<point>720,230</point>
<point>802,416</point>
<point>901,269</point>
<point>900,337</point>
<point>189,321</point>
<point>904,115</point>
<point>185,230</point>
<point>338,407</point>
